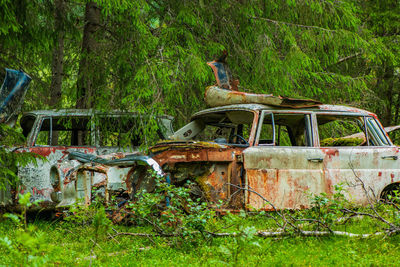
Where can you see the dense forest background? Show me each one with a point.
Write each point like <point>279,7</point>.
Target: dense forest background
<point>150,55</point>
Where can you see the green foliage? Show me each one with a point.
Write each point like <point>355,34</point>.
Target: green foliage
<point>70,243</point>
<point>183,216</point>
<point>328,209</point>
<point>27,247</point>
<point>243,241</point>
<point>24,203</point>
<point>150,55</point>
<point>93,215</point>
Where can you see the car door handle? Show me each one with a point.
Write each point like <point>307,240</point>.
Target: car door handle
<point>315,159</point>
<point>390,157</point>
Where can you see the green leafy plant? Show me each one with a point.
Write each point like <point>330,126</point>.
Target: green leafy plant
<point>101,223</point>
<point>327,209</point>
<point>27,247</point>
<point>24,204</point>
<point>89,215</point>
<point>171,210</point>
<point>242,240</point>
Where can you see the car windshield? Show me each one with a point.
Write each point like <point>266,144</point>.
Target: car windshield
<point>231,127</point>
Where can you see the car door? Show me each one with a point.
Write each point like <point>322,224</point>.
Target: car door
<point>284,166</point>
<point>362,161</point>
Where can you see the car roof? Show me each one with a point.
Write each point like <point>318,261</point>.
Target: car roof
<point>28,118</point>
<point>258,107</point>
<point>83,112</point>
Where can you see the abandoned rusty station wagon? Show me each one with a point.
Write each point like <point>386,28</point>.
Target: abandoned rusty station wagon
<point>283,149</point>
<point>53,134</point>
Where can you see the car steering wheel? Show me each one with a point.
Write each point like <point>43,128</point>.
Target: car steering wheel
<point>244,141</point>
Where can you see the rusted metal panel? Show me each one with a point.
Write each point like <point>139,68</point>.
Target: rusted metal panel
<point>218,179</point>
<point>371,165</point>
<point>222,167</point>
<point>226,92</point>
<point>347,109</point>
<point>35,178</point>
<point>283,175</point>
<point>216,96</point>
<point>287,178</point>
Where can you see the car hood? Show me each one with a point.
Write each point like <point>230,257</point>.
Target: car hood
<point>179,145</point>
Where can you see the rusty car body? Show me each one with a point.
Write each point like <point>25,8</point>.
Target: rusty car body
<point>53,134</point>
<point>285,155</point>
<point>248,148</point>
<point>236,153</point>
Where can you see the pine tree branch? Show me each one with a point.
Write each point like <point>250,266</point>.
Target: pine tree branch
<point>333,74</point>
<point>347,58</point>
<point>277,22</point>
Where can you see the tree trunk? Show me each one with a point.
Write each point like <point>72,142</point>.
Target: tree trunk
<point>57,61</point>
<point>89,46</point>
<point>58,55</point>
<point>87,65</point>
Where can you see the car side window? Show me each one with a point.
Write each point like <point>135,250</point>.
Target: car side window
<point>341,130</point>
<point>119,131</point>
<point>284,129</point>
<point>64,131</point>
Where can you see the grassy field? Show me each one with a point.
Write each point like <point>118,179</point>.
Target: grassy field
<point>49,243</point>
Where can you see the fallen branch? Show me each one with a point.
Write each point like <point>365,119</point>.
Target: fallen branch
<point>393,204</point>
<point>320,233</point>
<point>147,235</point>
<point>393,228</point>
<point>264,233</point>
<point>113,253</point>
